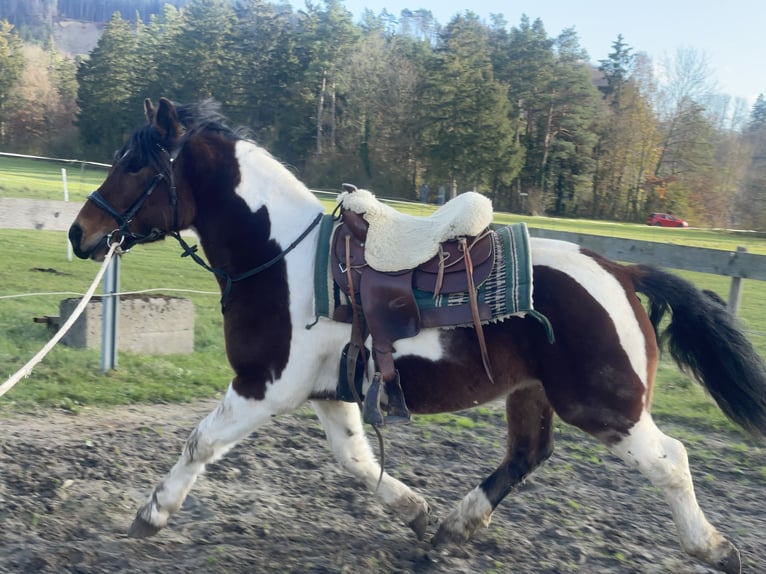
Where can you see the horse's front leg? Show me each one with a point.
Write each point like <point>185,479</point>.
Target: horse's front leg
<point>343,426</point>
<point>232,420</point>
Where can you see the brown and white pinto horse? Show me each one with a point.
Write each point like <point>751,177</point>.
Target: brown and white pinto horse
<point>186,169</point>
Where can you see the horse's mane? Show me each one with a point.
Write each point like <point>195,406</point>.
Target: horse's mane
<point>147,147</point>
<point>206,115</point>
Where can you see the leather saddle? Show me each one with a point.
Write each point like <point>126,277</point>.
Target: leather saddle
<point>386,301</point>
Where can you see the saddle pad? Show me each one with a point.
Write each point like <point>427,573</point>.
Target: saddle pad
<point>507,291</point>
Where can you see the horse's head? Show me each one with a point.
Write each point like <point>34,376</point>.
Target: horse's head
<point>138,201</point>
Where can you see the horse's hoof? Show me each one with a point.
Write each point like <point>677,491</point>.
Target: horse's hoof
<point>419,524</point>
<point>731,563</point>
<point>445,536</point>
<point>142,528</point>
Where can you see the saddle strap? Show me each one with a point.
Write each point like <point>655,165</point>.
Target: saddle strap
<point>472,296</point>
<point>356,346</point>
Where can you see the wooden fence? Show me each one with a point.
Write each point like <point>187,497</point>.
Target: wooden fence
<point>738,264</point>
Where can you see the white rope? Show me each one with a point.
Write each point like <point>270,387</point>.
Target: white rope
<point>26,370</point>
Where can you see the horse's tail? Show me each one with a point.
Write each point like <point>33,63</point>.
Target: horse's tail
<point>706,340</point>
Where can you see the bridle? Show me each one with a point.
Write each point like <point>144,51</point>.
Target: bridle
<point>125,218</point>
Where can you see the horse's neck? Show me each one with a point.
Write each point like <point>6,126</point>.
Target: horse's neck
<point>291,207</point>
<point>266,182</point>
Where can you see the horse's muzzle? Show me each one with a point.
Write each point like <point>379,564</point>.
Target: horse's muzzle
<point>75,238</point>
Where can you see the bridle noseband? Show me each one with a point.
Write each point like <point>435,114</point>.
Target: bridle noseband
<point>125,219</point>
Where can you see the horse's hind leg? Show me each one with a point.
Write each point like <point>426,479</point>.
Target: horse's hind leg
<point>663,461</point>
<point>232,420</point>
<point>343,426</point>
<point>530,443</point>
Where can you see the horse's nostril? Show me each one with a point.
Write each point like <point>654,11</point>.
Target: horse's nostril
<point>75,235</point>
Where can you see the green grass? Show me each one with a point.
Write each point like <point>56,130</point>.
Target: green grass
<point>35,261</point>
<point>40,179</point>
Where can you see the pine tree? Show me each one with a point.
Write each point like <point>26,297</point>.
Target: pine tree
<point>465,111</point>
<point>11,68</point>
<point>758,115</point>
<point>106,86</point>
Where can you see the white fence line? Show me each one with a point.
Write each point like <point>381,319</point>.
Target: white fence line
<point>39,157</point>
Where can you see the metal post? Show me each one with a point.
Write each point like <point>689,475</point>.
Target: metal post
<point>109,315</point>
<point>735,290</point>
<point>66,198</point>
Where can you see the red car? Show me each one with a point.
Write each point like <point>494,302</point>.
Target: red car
<point>665,220</point>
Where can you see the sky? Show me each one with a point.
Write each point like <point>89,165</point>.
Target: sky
<point>731,35</point>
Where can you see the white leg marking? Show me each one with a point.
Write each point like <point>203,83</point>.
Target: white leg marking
<point>343,426</point>
<point>472,513</point>
<point>232,420</point>
<point>663,461</point>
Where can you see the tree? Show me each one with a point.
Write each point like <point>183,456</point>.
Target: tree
<point>628,137</point>
<point>465,110</point>
<point>567,163</point>
<point>43,103</point>
<point>526,67</point>
<point>378,135</point>
<point>685,145</point>
<point>203,57</point>
<point>156,53</point>
<point>107,80</point>
<point>11,68</point>
<point>758,115</point>
<point>751,204</point>
<point>328,36</point>
<point>266,86</point>
<point>617,69</point>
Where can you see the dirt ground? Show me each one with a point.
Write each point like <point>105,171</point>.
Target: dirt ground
<point>70,486</point>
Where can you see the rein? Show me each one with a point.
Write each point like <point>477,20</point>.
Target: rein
<point>191,251</point>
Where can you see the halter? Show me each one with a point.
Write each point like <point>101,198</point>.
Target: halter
<point>124,219</point>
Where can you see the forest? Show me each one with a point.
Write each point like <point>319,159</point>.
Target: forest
<point>398,102</point>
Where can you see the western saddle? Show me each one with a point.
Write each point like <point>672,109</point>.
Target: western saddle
<point>372,262</point>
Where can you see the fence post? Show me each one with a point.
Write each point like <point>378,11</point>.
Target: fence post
<point>735,290</point>
<point>109,315</point>
<point>66,198</point>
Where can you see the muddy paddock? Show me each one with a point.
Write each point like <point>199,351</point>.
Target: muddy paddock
<point>70,486</point>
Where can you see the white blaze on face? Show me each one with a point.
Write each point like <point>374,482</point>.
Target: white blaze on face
<point>603,287</point>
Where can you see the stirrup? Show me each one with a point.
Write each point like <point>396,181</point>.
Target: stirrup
<point>397,411</point>
<point>397,408</point>
<point>371,412</point>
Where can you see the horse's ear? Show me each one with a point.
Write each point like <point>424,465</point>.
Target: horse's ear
<point>166,120</point>
<point>149,110</point>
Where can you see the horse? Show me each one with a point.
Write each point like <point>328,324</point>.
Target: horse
<point>256,222</point>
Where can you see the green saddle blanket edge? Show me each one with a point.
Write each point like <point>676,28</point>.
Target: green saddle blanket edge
<point>322,274</point>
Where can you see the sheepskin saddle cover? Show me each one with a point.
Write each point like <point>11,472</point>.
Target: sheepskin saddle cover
<point>397,241</point>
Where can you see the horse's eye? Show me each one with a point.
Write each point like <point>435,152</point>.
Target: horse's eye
<point>133,164</point>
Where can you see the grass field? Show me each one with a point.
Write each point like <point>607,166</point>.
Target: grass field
<point>35,262</point>
<point>40,179</point>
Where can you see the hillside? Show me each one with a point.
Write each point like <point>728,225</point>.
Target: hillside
<point>75,37</point>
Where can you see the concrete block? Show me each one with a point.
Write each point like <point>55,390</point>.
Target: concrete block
<point>146,324</point>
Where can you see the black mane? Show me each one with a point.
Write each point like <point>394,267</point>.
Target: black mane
<point>147,147</point>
